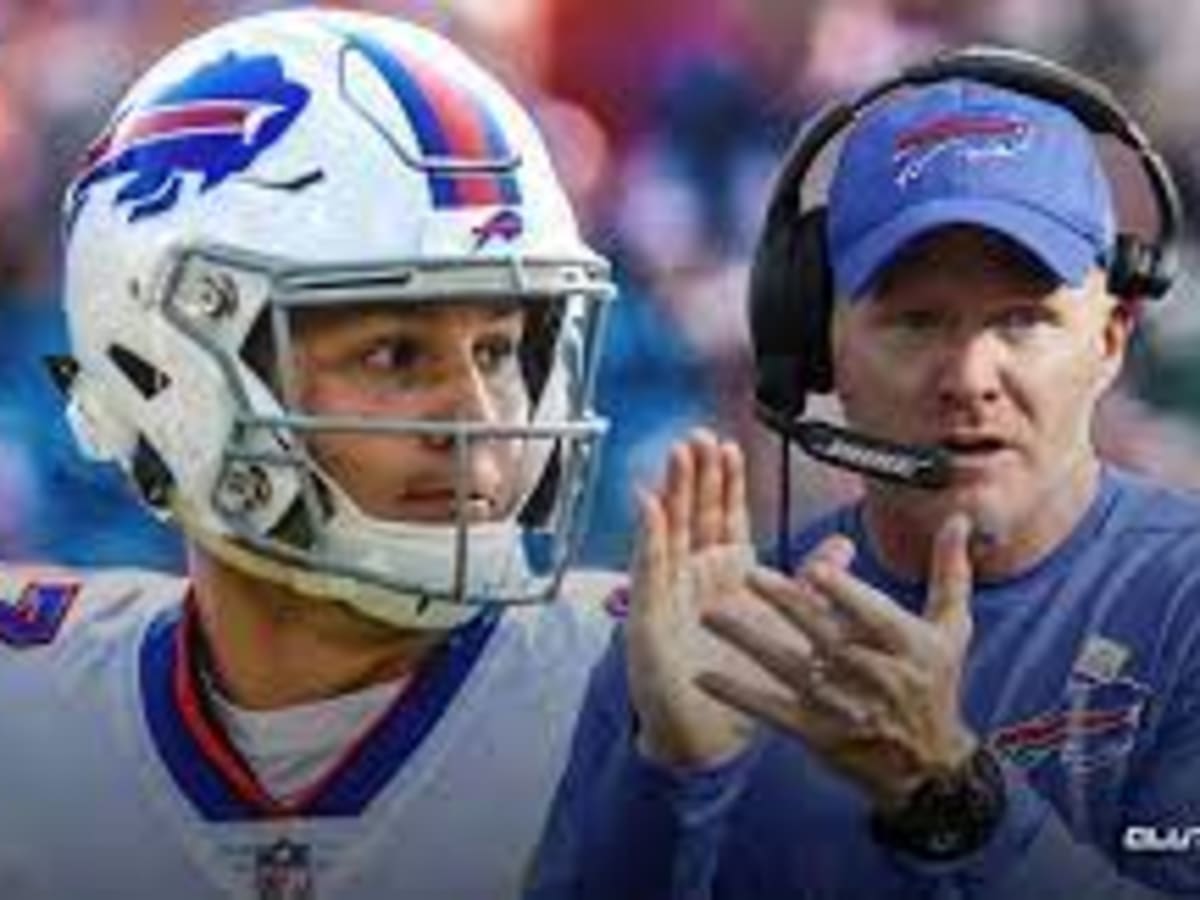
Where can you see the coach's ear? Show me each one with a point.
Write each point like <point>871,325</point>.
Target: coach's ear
<point>63,371</point>
<point>1119,326</point>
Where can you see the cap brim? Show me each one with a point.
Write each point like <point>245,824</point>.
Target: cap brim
<point>1064,251</point>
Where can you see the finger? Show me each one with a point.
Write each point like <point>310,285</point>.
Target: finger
<point>815,696</point>
<point>876,673</point>
<point>836,550</point>
<point>737,516</point>
<point>834,702</point>
<point>767,706</point>
<point>679,499</point>
<point>817,680</point>
<point>709,511</point>
<point>651,562</point>
<point>877,619</point>
<point>948,603</point>
<point>795,600</point>
<point>788,663</point>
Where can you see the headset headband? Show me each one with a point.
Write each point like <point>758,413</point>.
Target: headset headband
<point>791,293</point>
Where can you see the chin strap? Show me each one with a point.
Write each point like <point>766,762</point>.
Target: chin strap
<point>392,607</point>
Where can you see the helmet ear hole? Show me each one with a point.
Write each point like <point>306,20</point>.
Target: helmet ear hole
<point>295,527</point>
<point>539,344</point>
<point>259,352</point>
<point>145,377</point>
<point>63,370</point>
<point>151,475</point>
<point>540,505</point>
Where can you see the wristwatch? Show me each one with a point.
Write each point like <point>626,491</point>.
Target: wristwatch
<point>948,815</point>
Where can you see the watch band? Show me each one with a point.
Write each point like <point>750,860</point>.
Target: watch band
<point>948,816</point>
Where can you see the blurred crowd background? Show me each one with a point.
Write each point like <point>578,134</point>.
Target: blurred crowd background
<point>666,118</point>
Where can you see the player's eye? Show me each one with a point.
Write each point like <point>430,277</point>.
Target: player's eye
<point>495,353</point>
<point>395,355</point>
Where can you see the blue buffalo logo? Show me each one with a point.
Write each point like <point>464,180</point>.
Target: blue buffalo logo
<point>506,225</point>
<point>214,123</point>
<point>972,138</point>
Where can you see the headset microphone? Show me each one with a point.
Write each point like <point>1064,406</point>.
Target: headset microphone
<point>792,291</point>
<point>912,465</point>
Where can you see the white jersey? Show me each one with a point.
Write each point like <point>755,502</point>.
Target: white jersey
<point>116,780</point>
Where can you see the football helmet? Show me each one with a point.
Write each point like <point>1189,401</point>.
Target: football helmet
<point>318,159</point>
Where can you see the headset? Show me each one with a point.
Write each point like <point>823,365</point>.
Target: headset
<point>791,293</point>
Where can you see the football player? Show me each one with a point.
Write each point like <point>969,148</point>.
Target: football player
<point>330,311</point>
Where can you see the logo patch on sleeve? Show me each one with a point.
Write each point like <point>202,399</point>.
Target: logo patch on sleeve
<point>38,615</point>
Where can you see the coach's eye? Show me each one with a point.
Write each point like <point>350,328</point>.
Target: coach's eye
<point>1020,320</point>
<point>916,320</point>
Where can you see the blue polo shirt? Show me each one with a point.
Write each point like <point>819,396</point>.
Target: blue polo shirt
<point>1083,674</point>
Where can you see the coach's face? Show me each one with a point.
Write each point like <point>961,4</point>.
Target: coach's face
<point>450,362</point>
<point>966,343</point>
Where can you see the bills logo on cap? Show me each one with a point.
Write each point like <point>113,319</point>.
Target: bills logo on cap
<point>214,124</point>
<point>974,137</point>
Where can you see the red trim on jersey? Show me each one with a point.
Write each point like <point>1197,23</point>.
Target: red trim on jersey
<point>220,751</point>
<point>198,719</point>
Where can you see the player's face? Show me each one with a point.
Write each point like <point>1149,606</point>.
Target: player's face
<point>438,362</point>
<point>966,344</point>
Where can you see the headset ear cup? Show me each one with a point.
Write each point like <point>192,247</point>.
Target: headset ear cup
<point>779,384</point>
<point>791,306</point>
<point>812,321</point>
<point>1137,269</point>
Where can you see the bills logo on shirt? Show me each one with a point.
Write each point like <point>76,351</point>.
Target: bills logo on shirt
<point>1093,725</point>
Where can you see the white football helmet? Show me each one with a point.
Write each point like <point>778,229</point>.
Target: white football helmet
<point>304,159</point>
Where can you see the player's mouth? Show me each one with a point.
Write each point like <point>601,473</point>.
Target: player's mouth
<point>436,504</point>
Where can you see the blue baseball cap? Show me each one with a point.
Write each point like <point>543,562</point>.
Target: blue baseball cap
<point>967,153</point>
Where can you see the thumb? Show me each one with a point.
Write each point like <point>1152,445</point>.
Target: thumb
<point>948,605</point>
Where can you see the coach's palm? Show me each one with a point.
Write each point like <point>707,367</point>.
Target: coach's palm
<point>693,554</point>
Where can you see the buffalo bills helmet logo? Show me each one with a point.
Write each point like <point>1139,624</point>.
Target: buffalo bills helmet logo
<point>214,123</point>
<point>506,225</point>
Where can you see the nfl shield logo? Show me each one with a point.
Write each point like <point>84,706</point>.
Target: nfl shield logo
<point>283,871</point>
